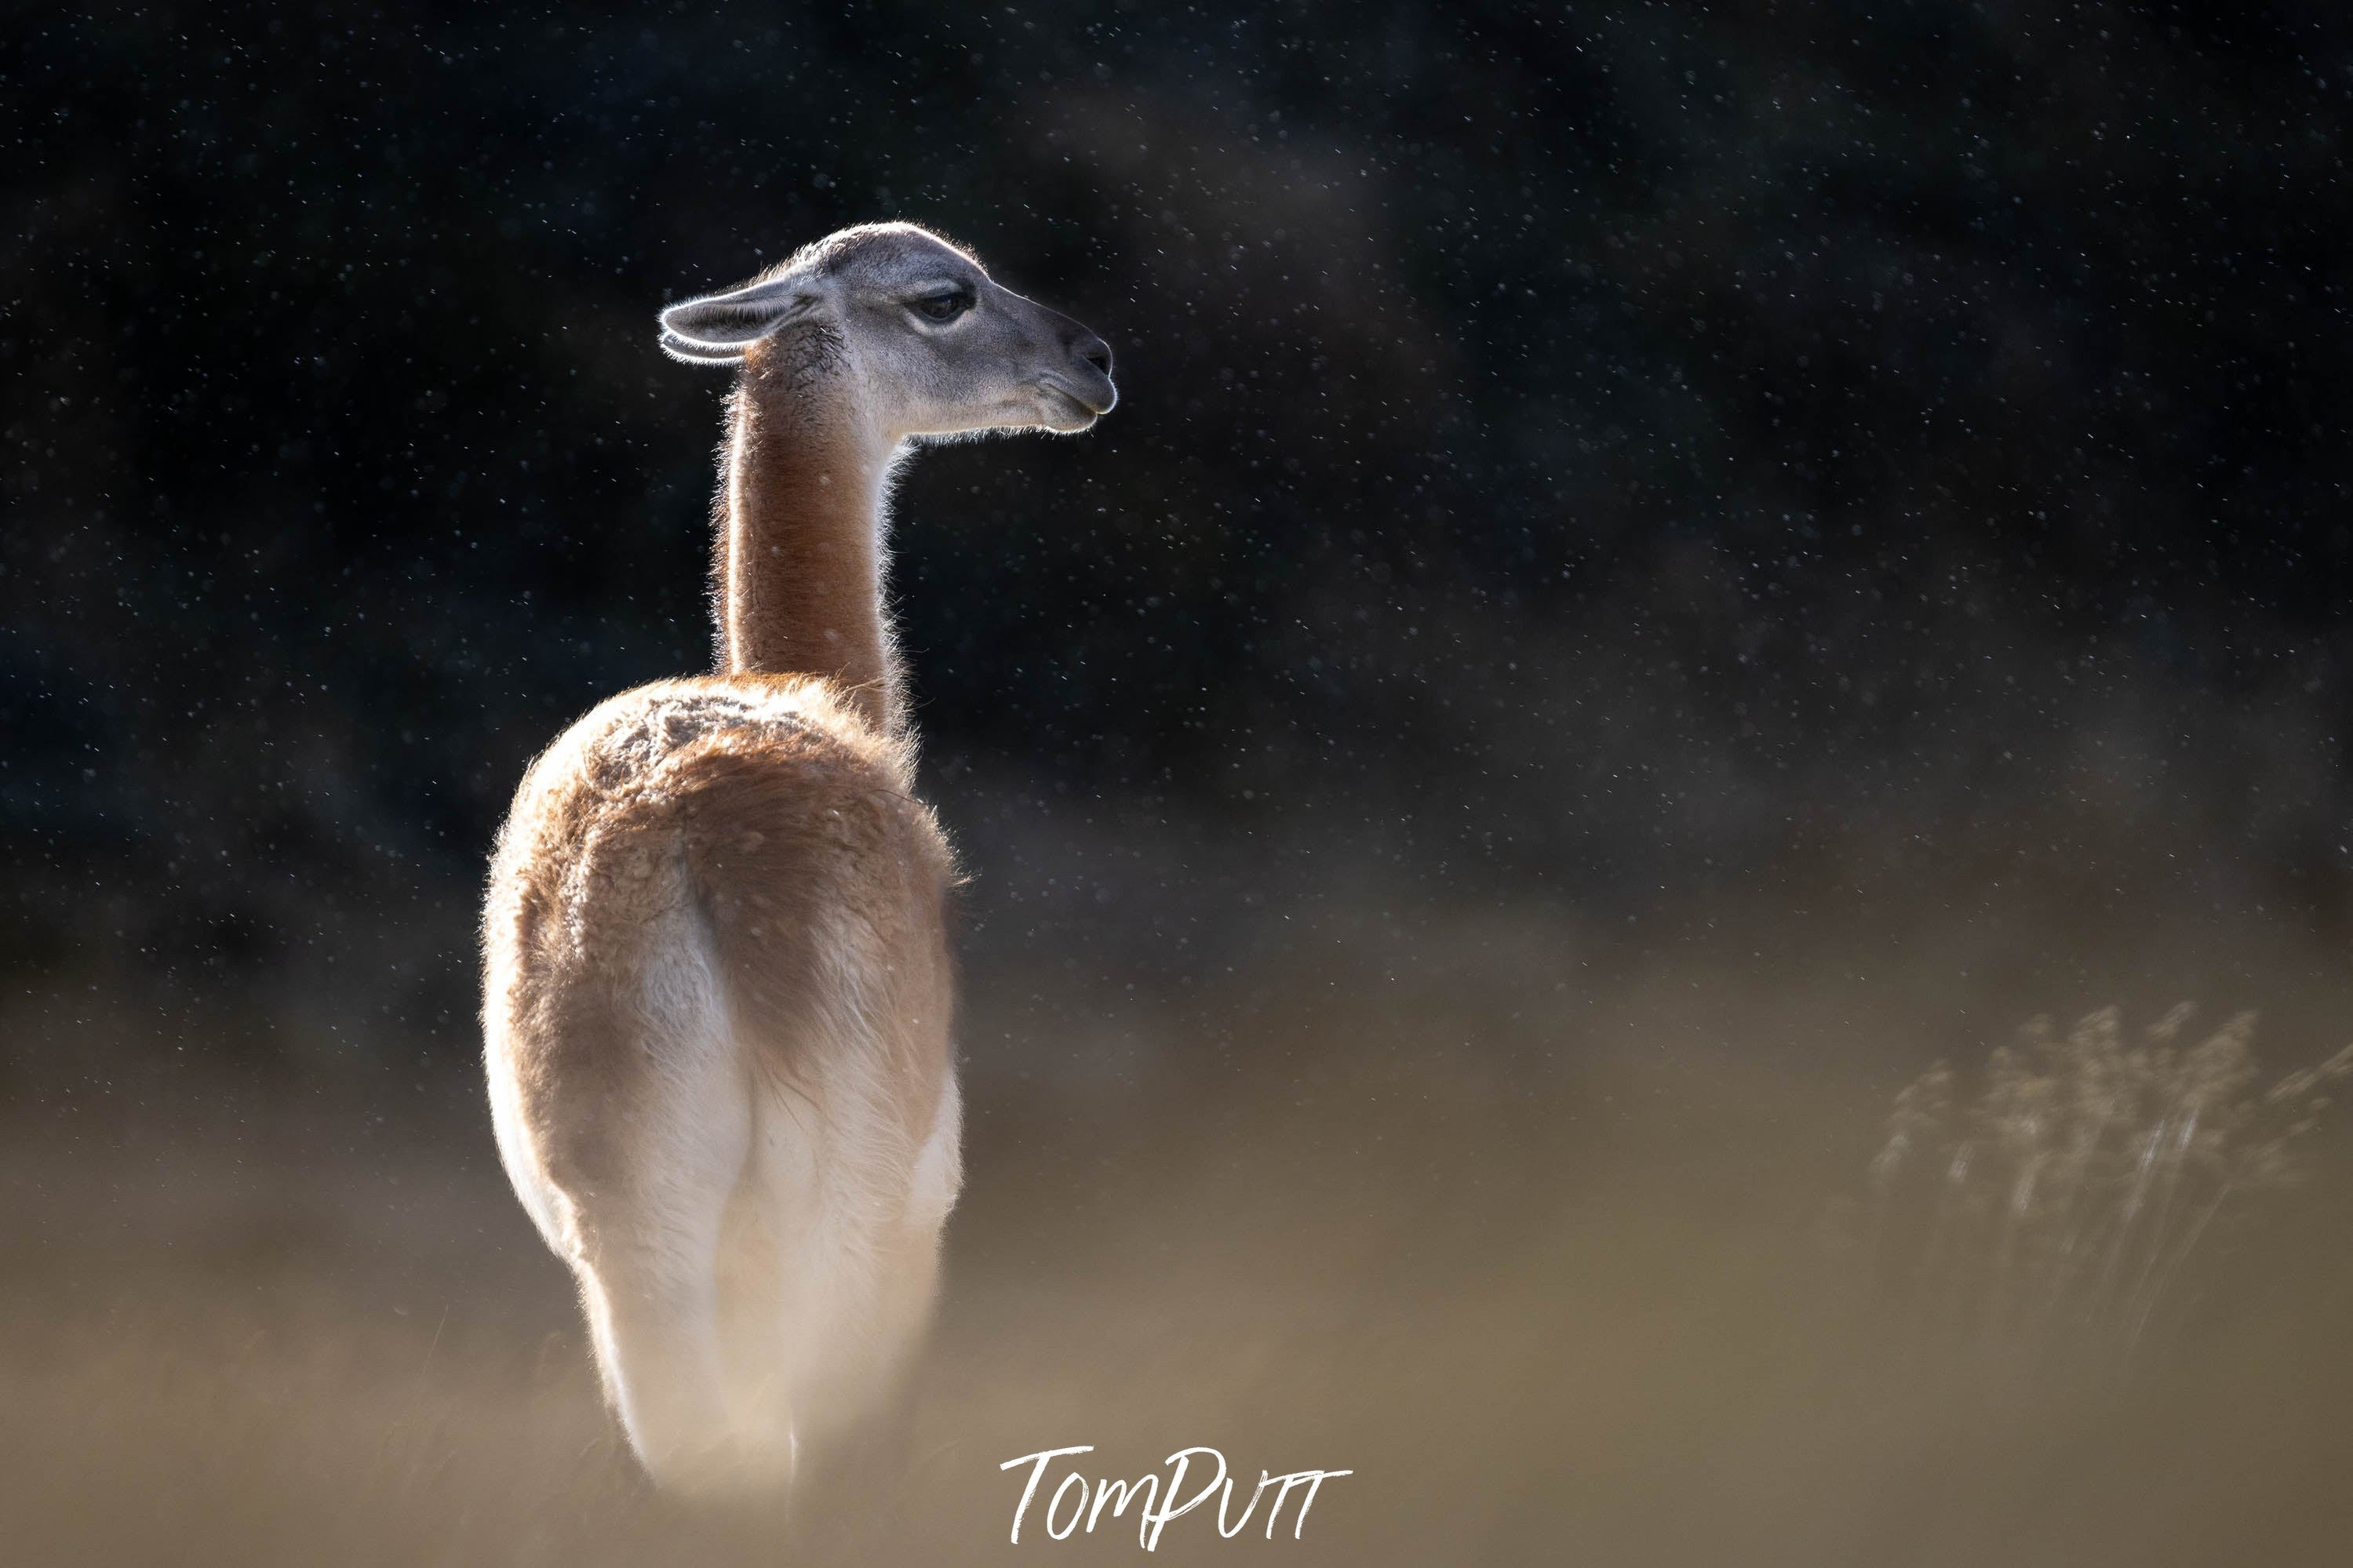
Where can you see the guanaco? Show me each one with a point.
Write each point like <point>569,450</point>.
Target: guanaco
<point>718,991</point>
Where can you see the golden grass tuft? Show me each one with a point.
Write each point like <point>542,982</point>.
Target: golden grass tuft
<point>2056,1213</point>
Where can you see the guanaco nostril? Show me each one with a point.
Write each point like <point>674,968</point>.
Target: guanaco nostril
<point>1096,352</point>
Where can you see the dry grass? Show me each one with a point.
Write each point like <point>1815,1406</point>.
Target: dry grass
<point>2054,1220</point>
<point>1538,1264</point>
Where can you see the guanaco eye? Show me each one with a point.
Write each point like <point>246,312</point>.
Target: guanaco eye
<point>944,306</point>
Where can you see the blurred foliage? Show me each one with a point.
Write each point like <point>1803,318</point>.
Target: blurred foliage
<point>1595,448</point>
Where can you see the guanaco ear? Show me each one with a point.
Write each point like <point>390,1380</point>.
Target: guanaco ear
<point>715,330</point>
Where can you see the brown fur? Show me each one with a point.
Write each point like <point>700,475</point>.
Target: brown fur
<point>717,990</point>
<point>799,571</point>
<point>774,828</point>
<point>771,808</point>
<point>783,826</point>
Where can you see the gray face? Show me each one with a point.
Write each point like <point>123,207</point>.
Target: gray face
<point>942,350</point>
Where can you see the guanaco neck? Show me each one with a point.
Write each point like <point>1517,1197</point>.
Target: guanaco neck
<point>799,578</point>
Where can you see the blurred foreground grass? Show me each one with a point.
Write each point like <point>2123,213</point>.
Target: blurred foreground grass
<point>1522,1226</point>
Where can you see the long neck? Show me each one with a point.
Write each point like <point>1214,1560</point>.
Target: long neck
<point>799,568</point>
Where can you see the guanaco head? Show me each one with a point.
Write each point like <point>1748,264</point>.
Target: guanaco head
<point>939,347</point>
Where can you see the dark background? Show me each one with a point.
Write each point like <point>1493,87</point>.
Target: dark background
<point>1656,571</point>
<point>1607,456</point>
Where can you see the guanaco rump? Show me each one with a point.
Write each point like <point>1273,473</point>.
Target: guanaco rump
<point>717,988</point>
